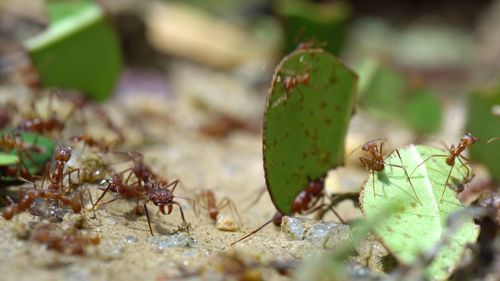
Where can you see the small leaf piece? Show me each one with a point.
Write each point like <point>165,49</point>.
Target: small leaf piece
<point>8,159</point>
<point>318,23</point>
<point>38,152</point>
<point>78,51</point>
<point>417,226</point>
<point>305,123</point>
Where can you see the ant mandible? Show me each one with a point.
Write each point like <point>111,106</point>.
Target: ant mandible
<point>162,197</point>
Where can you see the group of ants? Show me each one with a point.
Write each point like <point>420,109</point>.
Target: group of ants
<point>142,184</point>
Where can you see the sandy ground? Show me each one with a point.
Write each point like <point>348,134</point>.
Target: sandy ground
<point>231,167</point>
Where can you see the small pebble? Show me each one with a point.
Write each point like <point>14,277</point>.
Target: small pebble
<point>327,234</point>
<point>131,239</point>
<point>179,240</point>
<point>293,228</point>
<point>226,223</point>
<point>74,274</point>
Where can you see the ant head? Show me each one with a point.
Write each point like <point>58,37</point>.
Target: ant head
<point>161,197</point>
<point>469,139</point>
<point>63,154</point>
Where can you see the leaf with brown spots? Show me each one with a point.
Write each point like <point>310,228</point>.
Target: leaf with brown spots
<point>306,120</point>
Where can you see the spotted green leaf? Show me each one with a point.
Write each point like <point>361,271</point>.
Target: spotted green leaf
<point>418,226</point>
<point>305,125</point>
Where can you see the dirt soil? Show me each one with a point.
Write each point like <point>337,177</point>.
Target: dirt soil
<point>159,127</point>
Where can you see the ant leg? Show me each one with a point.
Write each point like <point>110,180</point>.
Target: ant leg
<point>465,166</point>
<point>427,159</point>
<point>330,207</point>
<point>446,183</point>
<point>407,176</point>
<point>251,233</point>
<point>193,201</point>
<point>45,174</point>
<point>225,202</point>
<point>147,216</point>
<point>182,216</point>
<point>368,164</point>
<point>102,195</point>
<point>256,200</point>
<point>174,183</point>
<point>91,202</point>
<point>131,171</point>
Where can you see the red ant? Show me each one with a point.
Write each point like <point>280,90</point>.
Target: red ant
<point>116,185</point>
<point>72,242</point>
<point>377,164</point>
<point>292,81</point>
<point>454,153</point>
<point>6,112</point>
<point>162,196</point>
<point>29,196</point>
<point>148,188</point>
<point>214,208</point>
<point>80,102</point>
<point>61,156</point>
<point>306,202</point>
<point>42,126</point>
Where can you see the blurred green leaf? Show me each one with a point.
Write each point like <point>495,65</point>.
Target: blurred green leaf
<point>385,94</point>
<point>419,224</point>
<point>38,151</point>
<point>60,9</point>
<point>8,159</point>
<point>483,123</point>
<point>305,125</point>
<point>78,51</point>
<point>322,23</point>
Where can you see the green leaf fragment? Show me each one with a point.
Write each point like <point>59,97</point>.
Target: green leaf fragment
<point>305,125</point>
<point>8,159</point>
<point>78,51</point>
<point>38,151</point>
<point>321,23</point>
<point>420,224</point>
